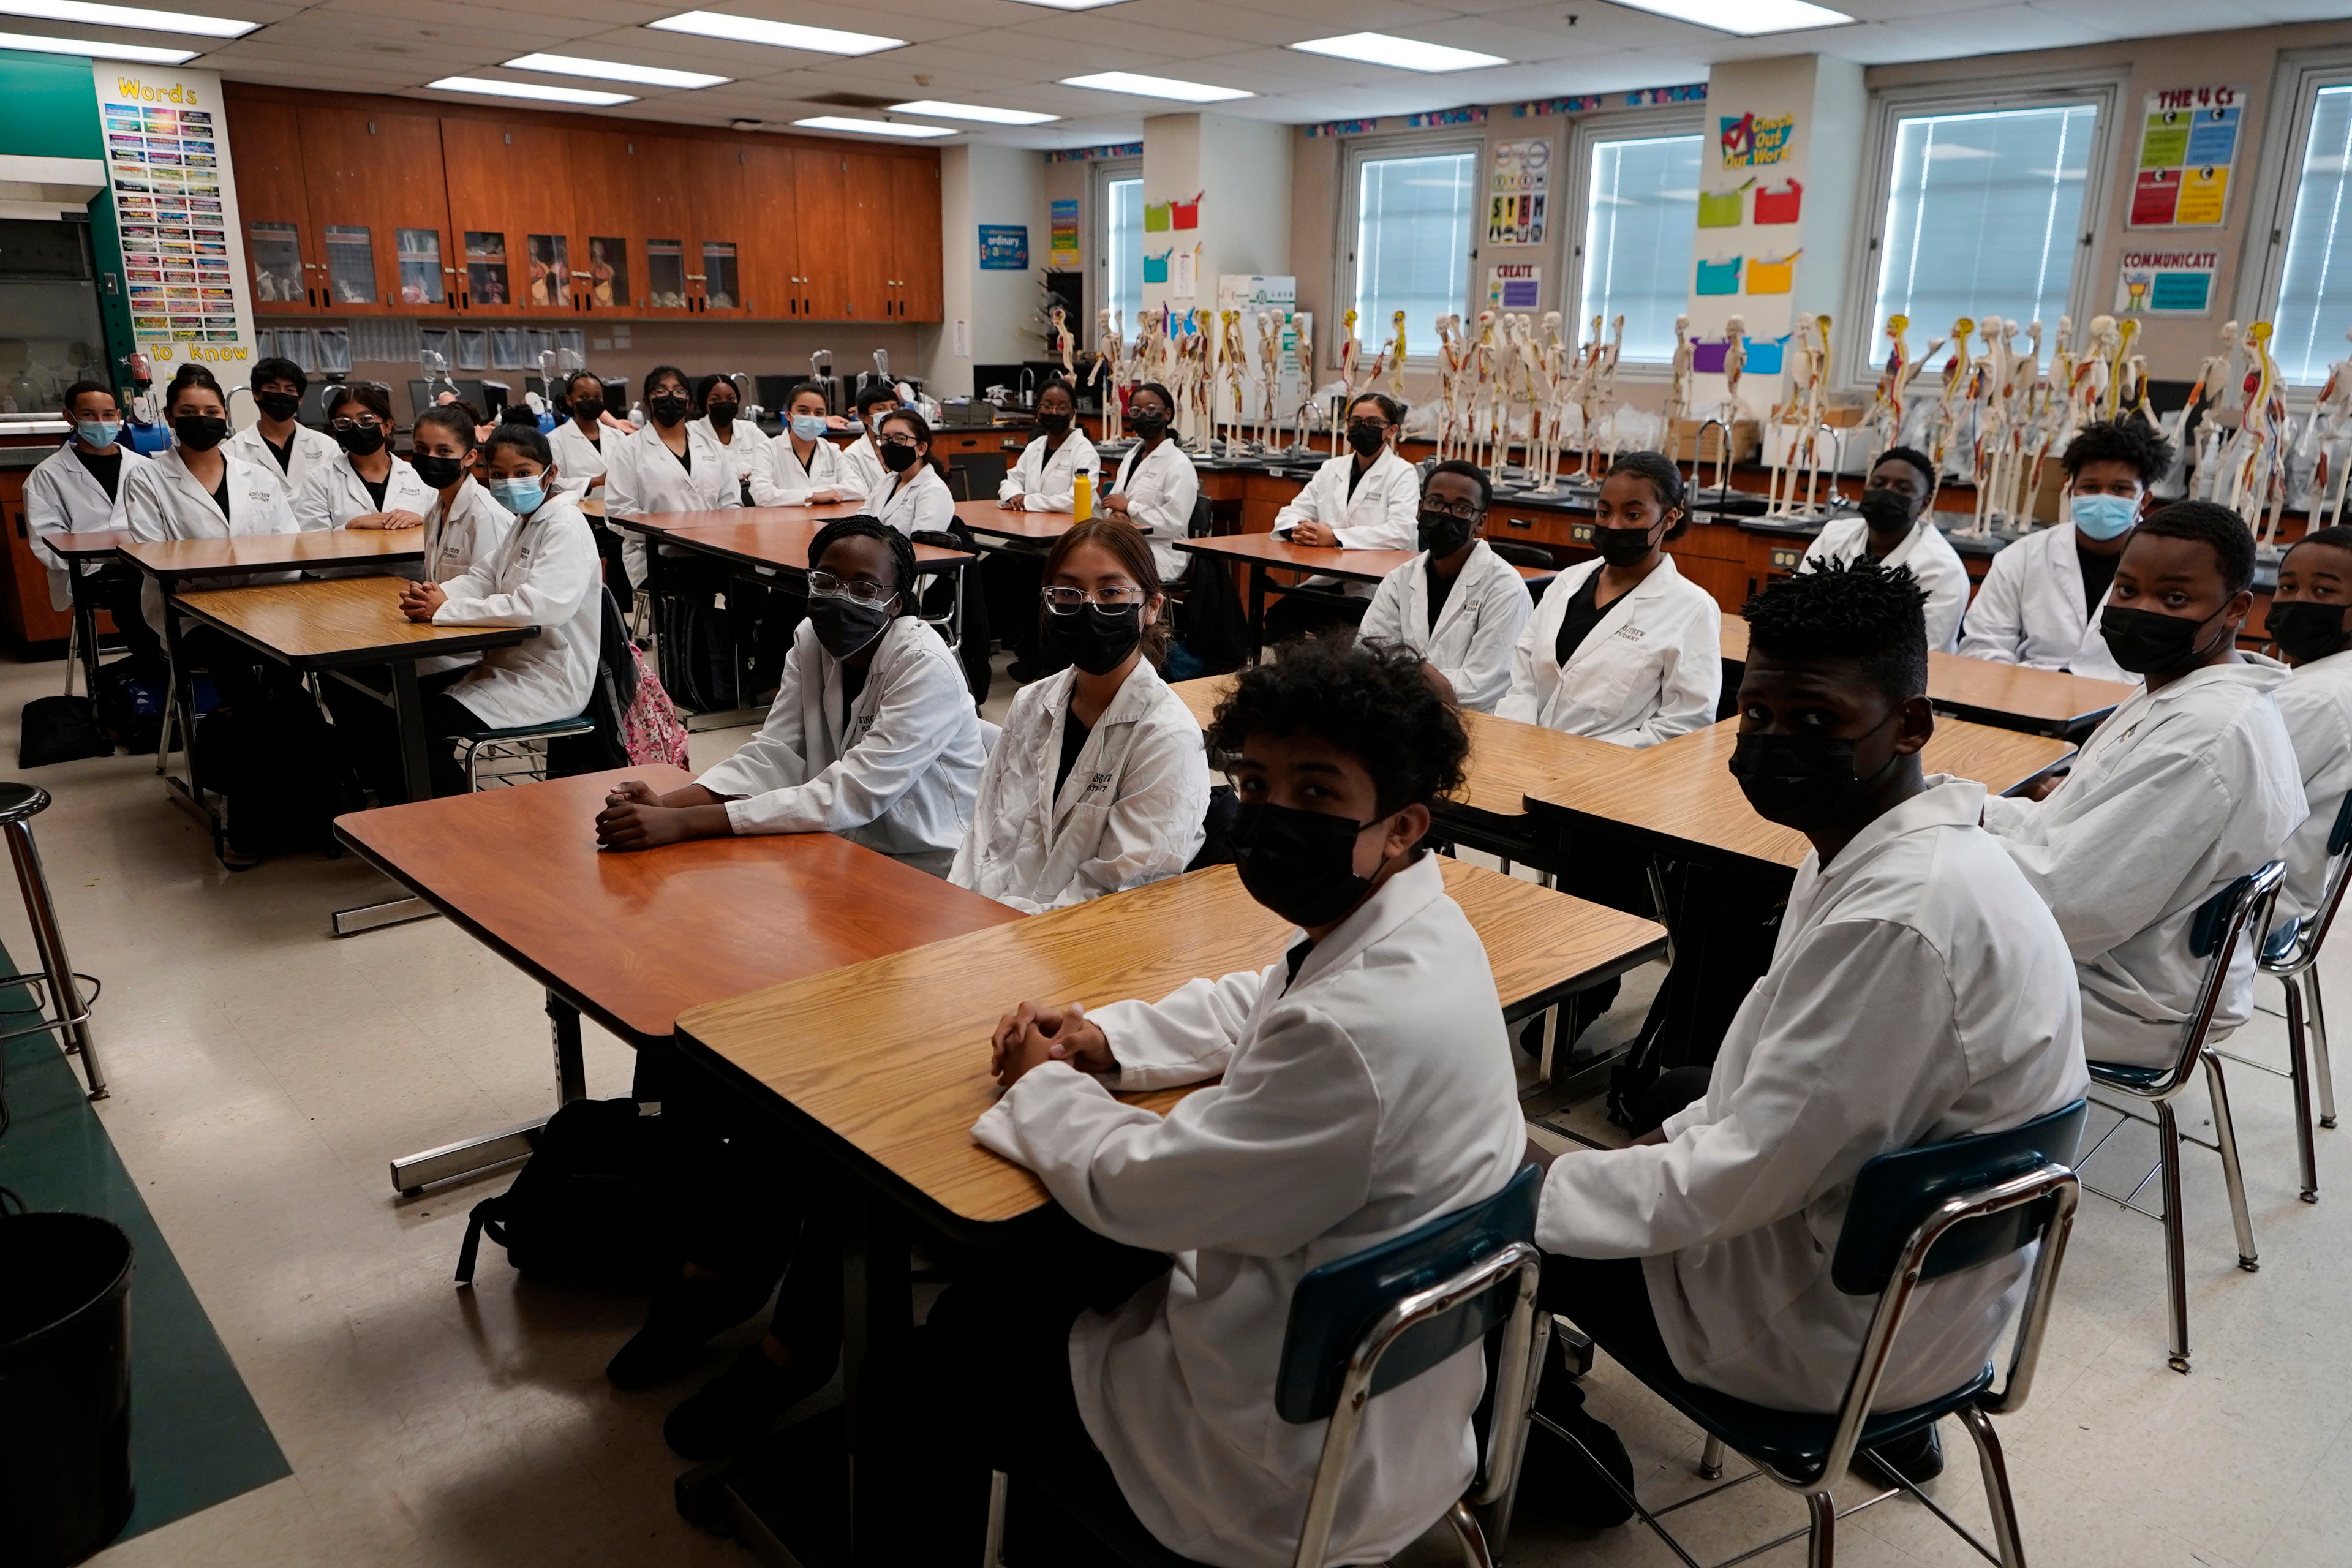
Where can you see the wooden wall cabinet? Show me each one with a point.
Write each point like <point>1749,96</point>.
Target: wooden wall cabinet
<point>273,203</point>
<point>379,211</point>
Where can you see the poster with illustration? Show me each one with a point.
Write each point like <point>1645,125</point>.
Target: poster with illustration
<point>1518,191</point>
<point>183,255</point>
<point>2189,149</point>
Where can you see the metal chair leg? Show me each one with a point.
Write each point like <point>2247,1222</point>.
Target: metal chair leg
<point>1999,1502</point>
<point>2225,1135</point>
<point>992,1552</point>
<point>1469,1538</point>
<point>73,652</point>
<point>1820,1550</point>
<point>2299,1072</point>
<point>2315,1022</point>
<point>171,717</point>
<point>65,992</point>
<point>2176,1249</point>
<point>1710,1459</point>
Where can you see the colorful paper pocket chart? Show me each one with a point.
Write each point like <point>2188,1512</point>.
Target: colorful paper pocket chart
<point>1779,206</point>
<point>1156,217</point>
<point>1719,277</point>
<point>1723,209</point>
<point>1772,276</point>
<point>1186,215</point>
<point>1155,268</point>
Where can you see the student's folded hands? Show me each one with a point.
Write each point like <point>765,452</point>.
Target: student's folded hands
<point>634,818</point>
<point>1036,1033</point>
<point>422,601</point>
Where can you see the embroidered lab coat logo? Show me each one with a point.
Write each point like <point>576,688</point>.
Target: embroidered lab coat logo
<point>1630,634</point>
<point>1097,782</point>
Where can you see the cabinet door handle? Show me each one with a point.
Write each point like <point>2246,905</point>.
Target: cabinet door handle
<point>1519,522</point>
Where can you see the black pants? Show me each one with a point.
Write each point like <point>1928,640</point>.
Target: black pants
<point>1608,1298</point>
<point>243,678</point>
<point>370,731</point>
<point>115,589</point>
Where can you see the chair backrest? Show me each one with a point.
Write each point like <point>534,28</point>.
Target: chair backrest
<point>2213,936</point>
<point>1204,520</point>
<point>2295,947</point>
<point>1897,1192</point>
<point>1337,1305</point>
<point>1520,554</point>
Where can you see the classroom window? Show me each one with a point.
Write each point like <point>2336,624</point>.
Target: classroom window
<point>1983,216</point>
<point>1122,250</point>
<point>1409,245</point>
<point>1641,215</point>
<point>2314,293</point>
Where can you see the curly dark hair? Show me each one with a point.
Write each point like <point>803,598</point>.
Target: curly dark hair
<point>2217,525</point>
<point>2337,536</point>
<point>1366,696</point>
<point>861,526</point>
<point>1858,610</point>
<point>1665,481</point>
<point>1467,470</point>
<point>1919,460</point>
<point>2132,441</point>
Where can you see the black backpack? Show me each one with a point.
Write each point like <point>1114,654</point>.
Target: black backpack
<point>696,652</point>
<point>601,1199</point>
<point>60,730</point>
<point>282,769</point>
<point>130,698</point>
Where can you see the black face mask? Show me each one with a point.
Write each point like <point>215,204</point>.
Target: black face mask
<point>1096,639</point>
<point>278,405</point>
<point>588,408</point>
<point>722,415</point>
<point>2147,642</point>
<point>438,473</point>
<point>1442,532</point>
<point>668,407</point>
<point>1804,782</point>
<point>895,458</point>
<point>2305,631</point>
<point>843,626</point>
<point>1622,546</point>
<point>1149,427</point>
<point>1053,424</point>
<point>1299,864</point>
<point>1883,512</point>
<point>1366,440</point>
<point>200,432</point>
<point>361,440</point>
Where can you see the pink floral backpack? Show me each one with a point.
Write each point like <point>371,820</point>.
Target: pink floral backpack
<point>651,731</point>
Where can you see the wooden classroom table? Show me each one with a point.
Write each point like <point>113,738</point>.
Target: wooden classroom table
<point>1264,554</point>
<point>2007,696</point>
<point>84,554</point>
<point>884,1066</point>
<point>662,525</point>
<point>336,623</point>
<point>1681,795</point>
<point>634,939</point>
<point>1032,530</point>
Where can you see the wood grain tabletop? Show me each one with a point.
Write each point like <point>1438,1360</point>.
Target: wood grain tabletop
<point>1988,690</point>
<point>336,620</point>
<point>275,552</point>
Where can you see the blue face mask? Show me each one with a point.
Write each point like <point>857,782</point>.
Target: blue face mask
<point>809,427</point>
<point>97,432</point>
<point>2102,517</point>
<point>520,497</point>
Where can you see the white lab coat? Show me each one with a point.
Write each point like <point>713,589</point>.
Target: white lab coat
<point>1651,670</point>
<point>333,494</point>
<point>1930,557</point>
<point>746,451</point>
<point>1131,811</point>
<point>579,462</point>
<point>897,778</point>
<point>2029,610</point>
<point>2315,704</point>
<point>160,499</point>
<point>60,496</point>
<point>2176,794</point>
<point>1160,491</point>
<point>1050,483</point>
<point>1473,641</point>
<point>457,539</point>
<point>1382,514</point>
<point>1918,992</point>
<point>864,464</point>
<point>546,572</point>
<point>784,480</point>
<point>923,504</point>
<point>1366,1096</point>
<point>310,448</point>
<point>642,478</point>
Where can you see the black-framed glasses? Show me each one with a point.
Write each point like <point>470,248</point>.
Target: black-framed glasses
<point>1070,601</point>
<point>844,588</point>
<point>901,440</point>
<point>1383,426</point>
<point>364,422</point>
<point>1463,510</point>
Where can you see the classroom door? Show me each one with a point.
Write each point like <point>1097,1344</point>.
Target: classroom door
<point>770,264</point>
<point>871,242</point>
<point>821,194</point>
<point>915,238</point>
<point>380,202</point>
<point>273,203</point>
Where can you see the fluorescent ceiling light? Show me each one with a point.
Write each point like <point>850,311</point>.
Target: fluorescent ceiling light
<point>782,34</point>
<point>871,127</point>
<point>979,111</point>
<point>128,17</point>
<point>1155,86</point>
<point>89,50</point>
<point>1746,17</point>
<point>529,90</point>
<point>572,64</point>
<point>1405,54</point>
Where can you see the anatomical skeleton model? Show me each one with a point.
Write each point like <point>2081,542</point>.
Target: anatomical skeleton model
<point>1065,345</point>
<point>1545,443</point>
<point>1305,354</point>
<point>1943,426</point>
<point>2257,467</point>
<point>2327,438</point>
<point>1678,387</point>
<point>1234,368</point>
<point>1396,359</point>
<point>1796,420</point>
<point>1269,378</point>
<point>1450,367</point>
<point>1604,397</point>
<point>1351,354</point>
<point>2216,376</point>
<point>1110,369</point>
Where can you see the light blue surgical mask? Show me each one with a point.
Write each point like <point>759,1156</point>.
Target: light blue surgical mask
<point>97,432</point>
<point>809,427</point>
<point>520,497</point>
<point>2102,517</point>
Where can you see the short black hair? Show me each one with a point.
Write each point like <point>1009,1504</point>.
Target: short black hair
<point>2217,525</point>
<point>1063,382</point>
<point>662,373</point>
<point>460,417</point>
<point>1159,392</point>
<point>879,391</point>
<point>814,388</point>
<point>192,374</point>
<point>2337,536</point>
<point>710,383</point>
<point>83,388</point>
<point>1390,409</point>
<point>1468,471</point>
<point>368,395</point>
<point>1858,610</point>
<point>1665,481</point>
<point>1367,696</point>
<point>278,367</point>
<point>524,438</point>
<point>865,526</point>
<point>576,377</point>
<point>2134,442</point>
<point>1918,459</point>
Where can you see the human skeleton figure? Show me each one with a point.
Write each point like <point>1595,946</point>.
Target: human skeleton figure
<point>2328,438</point>
<point>1350,352</point>
<point>1957,370</point>
<point>1553,361</point>
<point>1109,369</point>
<point>1451,362</point>
<point>1798,415</point>
<point>1678,387</point>
<point>1303,354</point>
<point>1269,377</point>
<point>1234,370</point>
<point>1066,344</point>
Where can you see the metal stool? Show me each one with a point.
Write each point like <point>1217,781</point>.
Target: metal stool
<point>19,804</point>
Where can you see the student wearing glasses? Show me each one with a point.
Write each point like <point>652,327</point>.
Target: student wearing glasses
<point>872,734</point>
<point>364,485</point>
<point>1100,782</point>
<point>1457,603</point>
<point>915,498</point>
<point>1368,499</point>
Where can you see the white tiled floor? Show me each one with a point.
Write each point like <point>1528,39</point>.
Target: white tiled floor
<point>264,1073</point>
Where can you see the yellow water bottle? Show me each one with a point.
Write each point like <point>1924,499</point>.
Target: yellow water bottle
<point>1081,496</point>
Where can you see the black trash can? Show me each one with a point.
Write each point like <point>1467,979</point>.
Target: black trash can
<point>65,1387</point>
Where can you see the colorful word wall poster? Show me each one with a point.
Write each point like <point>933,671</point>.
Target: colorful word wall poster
<point>1754,141</point>
<point>1004,248</point>
<point>1513,286</point>
<point>2188,146</point>
<point>176,204</point>
<point>1064,234</point>
<point>2166,282</point>
<point>1518,192</point>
